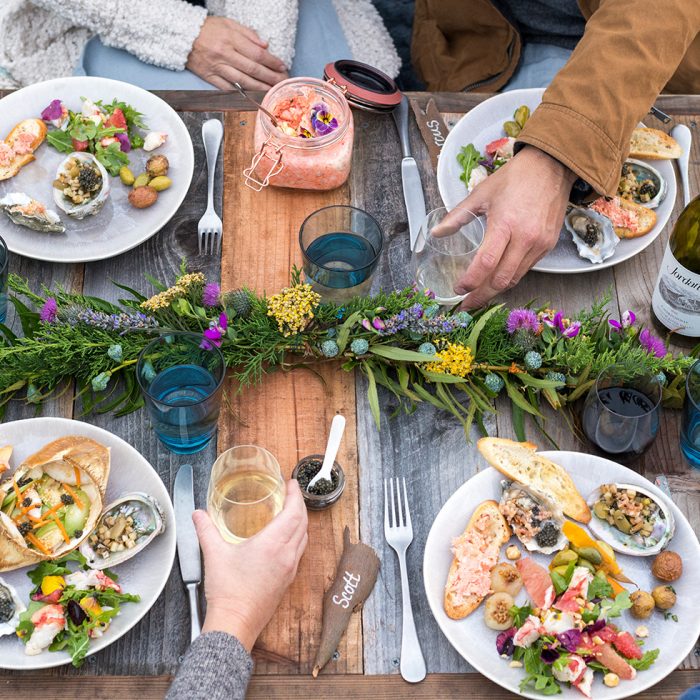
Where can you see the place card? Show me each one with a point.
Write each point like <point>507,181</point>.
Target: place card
<point>432,128</point>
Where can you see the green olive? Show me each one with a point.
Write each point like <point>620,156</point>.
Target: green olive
<point>126,176</point>
<point>160,183</point>
<point>591,554</point>
<point>621,522</point>
<point>561,570</point>
<point>563,558</point>
<point>512,129</point>
<point>521,115</point>
<point>601,509</point>
<point>142,180</point>
<point>586,565</point>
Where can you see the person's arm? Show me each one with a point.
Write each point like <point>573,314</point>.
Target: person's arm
<point>243,584</point>
<point>175,35</point>
<point>628,53</point>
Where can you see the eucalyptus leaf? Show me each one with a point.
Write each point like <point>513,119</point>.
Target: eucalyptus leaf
<point>391,352</point>
<point>344,332</point>
<point>519,400</point>
<point>372,395</point>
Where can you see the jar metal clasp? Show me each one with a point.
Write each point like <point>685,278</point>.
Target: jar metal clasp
<point>276,167</point>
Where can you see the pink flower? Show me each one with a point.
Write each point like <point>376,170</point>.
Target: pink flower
<point>652,344</point>
<point>522,320</point>
<point>628,319</point>
<point>49,311</point>
<point>572,330</point>
<point>213,336</point>
<point>124,142</point>
<point>53,111</point>
<point>378,323</point>
<point>211,294</point>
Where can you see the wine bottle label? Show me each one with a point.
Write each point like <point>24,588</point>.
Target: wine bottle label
<point>676,299</point>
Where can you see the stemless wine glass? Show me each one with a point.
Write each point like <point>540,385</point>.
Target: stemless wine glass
<point>3,280</point>
<point>181,384</point>
<point>690,427</point>
<point>444,248</point>
<point>622,410</point>
<point>341,246</point>
<point>246,491</point>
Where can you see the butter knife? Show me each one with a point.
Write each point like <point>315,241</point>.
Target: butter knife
<point>410,177</point>
<point>187,543</point>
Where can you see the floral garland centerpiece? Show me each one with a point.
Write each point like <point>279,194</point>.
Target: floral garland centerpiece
<point>403,341</point>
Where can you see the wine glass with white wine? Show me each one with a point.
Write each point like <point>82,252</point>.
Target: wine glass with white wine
<point>447,243</point>
<point>246,491</point>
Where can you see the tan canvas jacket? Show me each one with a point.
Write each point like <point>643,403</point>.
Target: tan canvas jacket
<point>630,52</point>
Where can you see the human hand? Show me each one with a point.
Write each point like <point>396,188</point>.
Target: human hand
<point>244,583</point>
<point>226,52</point>
<point>524,202</point>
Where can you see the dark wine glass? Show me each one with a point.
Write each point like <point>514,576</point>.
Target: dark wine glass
<point>622,411</point>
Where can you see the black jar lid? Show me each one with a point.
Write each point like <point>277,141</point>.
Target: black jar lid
<point>364,86</point>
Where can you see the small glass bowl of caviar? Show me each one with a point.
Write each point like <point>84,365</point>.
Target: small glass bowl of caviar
<point>324,493</point>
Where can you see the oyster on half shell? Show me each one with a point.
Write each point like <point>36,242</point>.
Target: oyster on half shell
<point>25,211</point>
<point>535,520</point>
<point>631,519</point>
<point>82,185</point>
<point>642,183</point>
<point>10,609</point>
<point>592,233</point>
<point>147,521</point>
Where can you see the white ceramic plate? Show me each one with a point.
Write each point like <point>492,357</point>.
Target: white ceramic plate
<point>118,227</point>
<point>484,124</point>
<point>477,644</point>
<point>146,574</point>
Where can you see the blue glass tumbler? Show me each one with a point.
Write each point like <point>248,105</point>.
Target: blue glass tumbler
<point>182,384</point>
<point>4,264</point>
<point>690,425</point>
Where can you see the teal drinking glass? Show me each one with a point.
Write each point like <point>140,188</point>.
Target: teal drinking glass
<point>182,383</point>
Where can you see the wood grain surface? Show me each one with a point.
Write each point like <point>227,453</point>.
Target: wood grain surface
<point>290,412</point>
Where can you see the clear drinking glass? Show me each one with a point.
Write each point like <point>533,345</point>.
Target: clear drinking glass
<point>341,246</point>
<point>622,411</point>
<point>181,384</point>
<point>4,264</point>
<point>444,249</point>
<point>690,427</point>
<point>246,491</point>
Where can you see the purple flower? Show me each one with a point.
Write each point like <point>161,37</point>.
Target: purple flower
<point>378,323</point>
<point>594,627</point>
<point>549,655</point>
<point>416,311</point>
<point>652,344</point>
<point>124,143</point>
<point>214,334</point>
<point>522,320</point>
<point>49,311</point>
<point>53,111</point>
<point>211,294</point>
<point>628,319</point>
<point>322,121</point>
<point>366,324</point>
<point>504,642</point>
<point>570,640</point>
<point>572,330</point>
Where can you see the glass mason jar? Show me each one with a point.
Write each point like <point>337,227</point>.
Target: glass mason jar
<point>319,163</point>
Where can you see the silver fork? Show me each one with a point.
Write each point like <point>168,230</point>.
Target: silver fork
<point>399,534</point>
<point>210,227</point>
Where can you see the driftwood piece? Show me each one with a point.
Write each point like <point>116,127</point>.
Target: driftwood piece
<point>354,580</point>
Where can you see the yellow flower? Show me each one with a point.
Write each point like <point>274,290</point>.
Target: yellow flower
<point>179,289</point>
<point>455,359</point>
<point>293,308</point>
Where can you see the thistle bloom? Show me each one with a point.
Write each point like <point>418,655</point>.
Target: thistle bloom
<point>213,336</point>
<point>627,320</point>
<point>49,311</point>
<point>652,344</point>
<point>211,294</point>
<point>522,320</point>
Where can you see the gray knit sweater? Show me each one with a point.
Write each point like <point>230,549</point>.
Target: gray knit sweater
<point>42,39</point>
<point>215,667</point>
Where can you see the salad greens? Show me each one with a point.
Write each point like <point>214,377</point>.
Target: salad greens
<point>468,158</point>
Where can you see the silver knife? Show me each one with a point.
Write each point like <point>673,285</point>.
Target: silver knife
<point>412,188</point>
<point>187,542</point>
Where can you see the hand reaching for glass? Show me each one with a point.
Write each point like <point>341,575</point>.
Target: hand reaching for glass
<point>524,202</point>
<point>244,583</point>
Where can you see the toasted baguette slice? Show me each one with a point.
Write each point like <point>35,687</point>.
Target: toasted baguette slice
<point>645,216</point>
<point>520,462</point>
<point>500,532</point>
<point>37,129</point>
<point>653,144</point>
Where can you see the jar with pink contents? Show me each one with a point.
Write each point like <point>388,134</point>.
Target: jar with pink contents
<point>311,146</point>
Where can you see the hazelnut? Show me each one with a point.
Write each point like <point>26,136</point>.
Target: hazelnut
<point>642,631</point>
<point>143,197</point>
<point>612,680</point>
<point>668,566</point>
<point>512,552</point>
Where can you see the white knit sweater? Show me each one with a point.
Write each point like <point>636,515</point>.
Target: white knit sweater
<point>42,39</point>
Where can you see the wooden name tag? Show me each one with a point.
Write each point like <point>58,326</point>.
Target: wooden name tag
<point>432,128</point>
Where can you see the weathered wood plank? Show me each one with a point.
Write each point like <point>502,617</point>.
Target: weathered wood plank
<point>352,687</point>
<point>290,413</point>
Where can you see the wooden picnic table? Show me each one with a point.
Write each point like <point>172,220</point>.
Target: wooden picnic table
<point>289,413</point>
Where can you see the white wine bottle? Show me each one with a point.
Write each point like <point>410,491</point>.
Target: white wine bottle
<point>675,304</point>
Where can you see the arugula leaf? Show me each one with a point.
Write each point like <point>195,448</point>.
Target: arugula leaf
<point>539,674</point>
<point>646,661</point>
<point>622,602</point>
<point>57,567</point>
<point>60,140</point>
<point>520,614</point>
<point>112,157</point>
<point>591,615</point>
<point>599,587</point>
<point>561,663</point>
<point>468,158</point>
<point>75,639</point>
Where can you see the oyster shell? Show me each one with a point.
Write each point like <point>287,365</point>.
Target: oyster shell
<point>10,609</point>
<point>535,520</point>
<point>149,522</point>
<point>96,202</point>
<point>633,543</point>
<point>642,183</point>
<point>25,211</point>
<point>592,233</point>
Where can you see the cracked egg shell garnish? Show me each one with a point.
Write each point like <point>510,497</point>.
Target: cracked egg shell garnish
<point>82,185</point>
<point>126,527</point>
<point>25,211</point>
<point>10,609</point>
<point>631,519</point>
